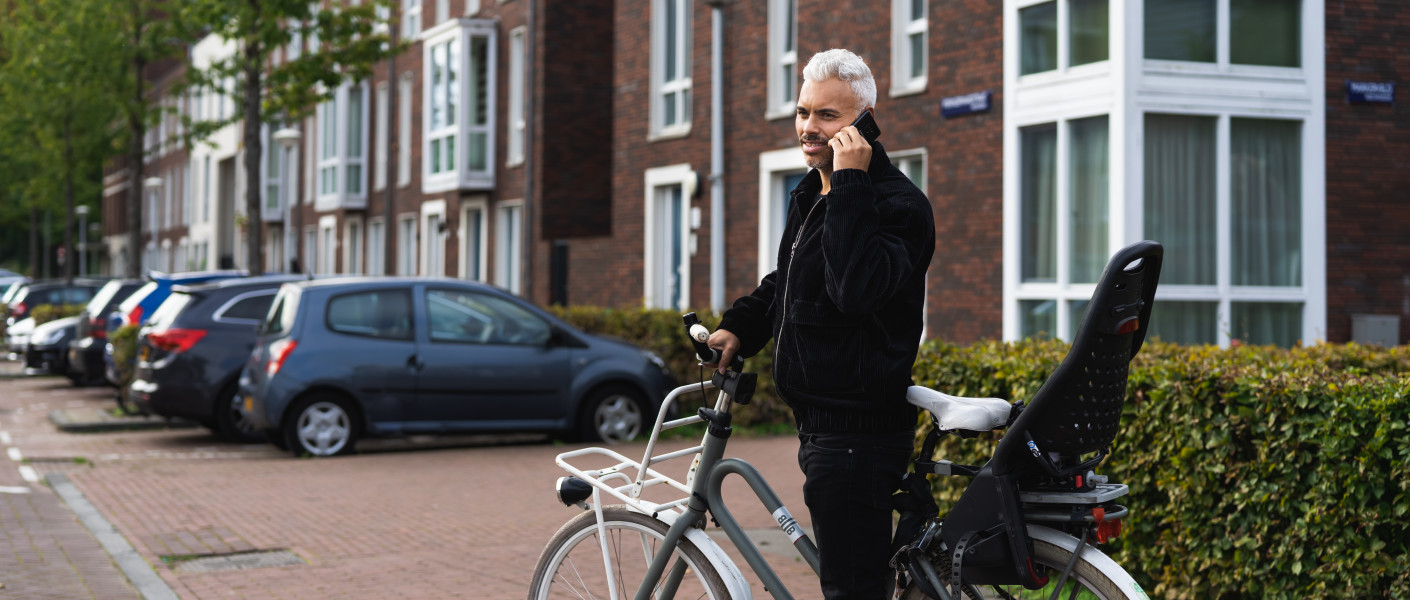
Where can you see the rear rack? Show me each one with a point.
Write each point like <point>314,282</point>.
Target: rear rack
<point>631,488</point>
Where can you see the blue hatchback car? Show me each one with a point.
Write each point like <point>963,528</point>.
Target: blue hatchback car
<point>336,360</point>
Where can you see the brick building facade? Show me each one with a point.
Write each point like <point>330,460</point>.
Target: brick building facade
<point>578,167</point>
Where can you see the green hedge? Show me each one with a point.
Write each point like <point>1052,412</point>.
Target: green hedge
<point>124,341</point>
<point>1255,472</point>
<point>49,312</point>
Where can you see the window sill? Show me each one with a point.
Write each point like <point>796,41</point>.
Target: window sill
<point>779,113</point>
<point>673,133</point>
<point>909,90</point>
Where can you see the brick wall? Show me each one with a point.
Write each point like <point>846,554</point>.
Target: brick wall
<point>1368,150</point>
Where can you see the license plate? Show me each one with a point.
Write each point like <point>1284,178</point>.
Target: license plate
<point>249,403</point>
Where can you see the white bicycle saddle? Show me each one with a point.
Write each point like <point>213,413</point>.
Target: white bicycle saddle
<point>956,412</point>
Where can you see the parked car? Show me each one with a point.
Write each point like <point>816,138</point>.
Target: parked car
<point>47,349</point>
<point>337,360</point>
<point>48,293</point>
<point>85,352</point>
<point>138,306</point>
<point>189,354</point>
<point>16,336</point>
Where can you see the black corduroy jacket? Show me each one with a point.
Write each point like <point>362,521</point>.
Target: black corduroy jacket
<point>845,304</point>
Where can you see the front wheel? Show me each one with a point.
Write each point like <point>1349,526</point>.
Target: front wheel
<point>1094,577</point>
<point>572,564</point>
<point>321,425</point>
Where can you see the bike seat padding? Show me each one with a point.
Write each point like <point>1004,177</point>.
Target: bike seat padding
<point>960,413</point>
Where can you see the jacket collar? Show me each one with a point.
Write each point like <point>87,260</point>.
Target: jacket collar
<point>812,182</point>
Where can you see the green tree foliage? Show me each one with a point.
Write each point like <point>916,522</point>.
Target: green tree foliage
<point>57,58</point>
<point>349,43</point>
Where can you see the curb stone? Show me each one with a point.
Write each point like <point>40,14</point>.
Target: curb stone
<point>146,580</point>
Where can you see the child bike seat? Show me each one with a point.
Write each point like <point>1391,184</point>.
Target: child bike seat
<point>960,413</point>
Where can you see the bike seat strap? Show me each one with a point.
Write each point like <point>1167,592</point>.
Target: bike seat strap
<point>960,413</point>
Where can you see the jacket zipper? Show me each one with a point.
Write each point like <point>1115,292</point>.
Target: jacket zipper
<point>788,278</point>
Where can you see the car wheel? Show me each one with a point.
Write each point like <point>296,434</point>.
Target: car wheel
<point>230,423</point>
<point>613,415</point>
<point>321,425</point>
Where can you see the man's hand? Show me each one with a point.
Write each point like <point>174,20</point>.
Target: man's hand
<point>728,345</point>
<point>850,150</point>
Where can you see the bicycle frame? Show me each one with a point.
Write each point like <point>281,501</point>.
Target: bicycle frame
<point>702,488</point>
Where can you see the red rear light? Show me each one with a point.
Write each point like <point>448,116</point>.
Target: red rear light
<point>175,340</point>
<point>19,310</point>
<point>134,316</point>
<point>278,351</point>
<point>97,329</point>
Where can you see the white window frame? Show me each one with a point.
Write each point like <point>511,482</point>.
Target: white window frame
<point>404,99</point>
<point>912,153</point>
<point>517,72</point>
<point>273,151</point>
<point>354,244</point>
<point>433,239</point>
<point>783,54</point>
<point>662,177</point>
<point>410,19</point>
<point>773,167</point>
<point>481,238</point>
<point>376,246</point>
<point>380,131</point>
<point>407,245</point>
<point>328,244</point>
<point>509,246</point>
<point>337,162</point>
<point>273,249</point>
<point>681,86</point>
<point>1128,86</point>
<point>461,128</point>
<point>902,28</point>
<point>310,255</point>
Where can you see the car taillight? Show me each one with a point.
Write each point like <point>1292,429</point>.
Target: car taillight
<point>134,316</point>
<point>19,311</point>
<point>278,351</point>
<point>175,340</point>
<point>97,329</point>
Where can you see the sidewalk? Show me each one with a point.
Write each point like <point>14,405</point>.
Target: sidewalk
<point>49,553</point>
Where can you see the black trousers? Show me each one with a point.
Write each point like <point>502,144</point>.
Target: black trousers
<point>848,482</point>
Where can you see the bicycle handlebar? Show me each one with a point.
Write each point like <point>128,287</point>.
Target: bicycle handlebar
<point>698,336</point>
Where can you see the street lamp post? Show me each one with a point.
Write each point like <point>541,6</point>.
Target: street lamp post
<point>151,183</point>
<point>82,211</point>
<point>288,139</point>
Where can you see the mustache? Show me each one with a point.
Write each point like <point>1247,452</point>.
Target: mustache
<point>809,138</point>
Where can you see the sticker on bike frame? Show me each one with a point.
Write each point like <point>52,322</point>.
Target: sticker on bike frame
<point>787,524</point>
<point>1139,592</point>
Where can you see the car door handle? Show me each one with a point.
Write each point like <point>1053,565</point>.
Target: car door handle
<point>414,364</point>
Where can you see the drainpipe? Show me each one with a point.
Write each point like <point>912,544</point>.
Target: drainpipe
<point>526,285</point>
<point>717,156</point>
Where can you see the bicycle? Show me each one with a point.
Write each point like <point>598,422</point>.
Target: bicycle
<point>1023,527</point>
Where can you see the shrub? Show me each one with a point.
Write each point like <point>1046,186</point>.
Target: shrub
<point>49,312</point>
<point>124,341</point>
<point>1255,472</point>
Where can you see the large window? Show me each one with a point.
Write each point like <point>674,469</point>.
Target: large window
<point>508,248</point>
<point>406,245</point>
<point>516,97</point>
<point>1259,32</point>
<point>458,106</point>
<point>352,256</point>
<point>1243,280</point>
<point>380,132</point>
<point>779,172</point>
<point>670,66</point>
<point>783,58</point>
<point>910,26</point>
<point>668,237</point>
<point>1064,213</point>
<point>342,149</point>
<point>1043,46</point>
<point>474,234</point>
<point>433,238</point>
<point>376,247</point>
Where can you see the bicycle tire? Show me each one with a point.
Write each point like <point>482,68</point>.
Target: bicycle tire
<point>1094,577</point>
<point>571,565</point>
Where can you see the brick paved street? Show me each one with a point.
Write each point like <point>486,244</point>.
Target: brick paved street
<point>457,518</point>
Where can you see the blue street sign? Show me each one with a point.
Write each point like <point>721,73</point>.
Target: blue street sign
<point>1370,92</point>
<point>955,106</point>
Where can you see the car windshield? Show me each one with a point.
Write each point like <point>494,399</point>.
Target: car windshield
<point>166,313</point>
<point>102,298</point>
<point>136,298</point>
<point>281,313</point>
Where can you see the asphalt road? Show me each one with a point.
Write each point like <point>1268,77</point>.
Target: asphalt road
<point>462,517</point>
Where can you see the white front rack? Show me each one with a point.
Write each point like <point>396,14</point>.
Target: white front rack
<point>630,490</point>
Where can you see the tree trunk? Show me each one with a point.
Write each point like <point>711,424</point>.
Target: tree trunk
<point>254,222</point>
<point>36,258</point>
<point>137,129</point>
<point>70,253</point>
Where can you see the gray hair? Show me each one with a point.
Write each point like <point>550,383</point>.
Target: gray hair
<point>844,65</point>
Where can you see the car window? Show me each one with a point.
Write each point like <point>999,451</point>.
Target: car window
<point>103,297</point>
<point>165,314</point>
<point>472,317</point>
<point>375,313</point>
<point>250,306</point>
<point>281,316</point>
<point>136,298</point>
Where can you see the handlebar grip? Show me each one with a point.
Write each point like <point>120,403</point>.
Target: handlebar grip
<point>698,336</point>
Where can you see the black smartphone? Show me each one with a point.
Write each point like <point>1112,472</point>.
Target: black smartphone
<point>866,125</point>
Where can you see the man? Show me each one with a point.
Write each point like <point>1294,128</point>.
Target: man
<point>844,307</point>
